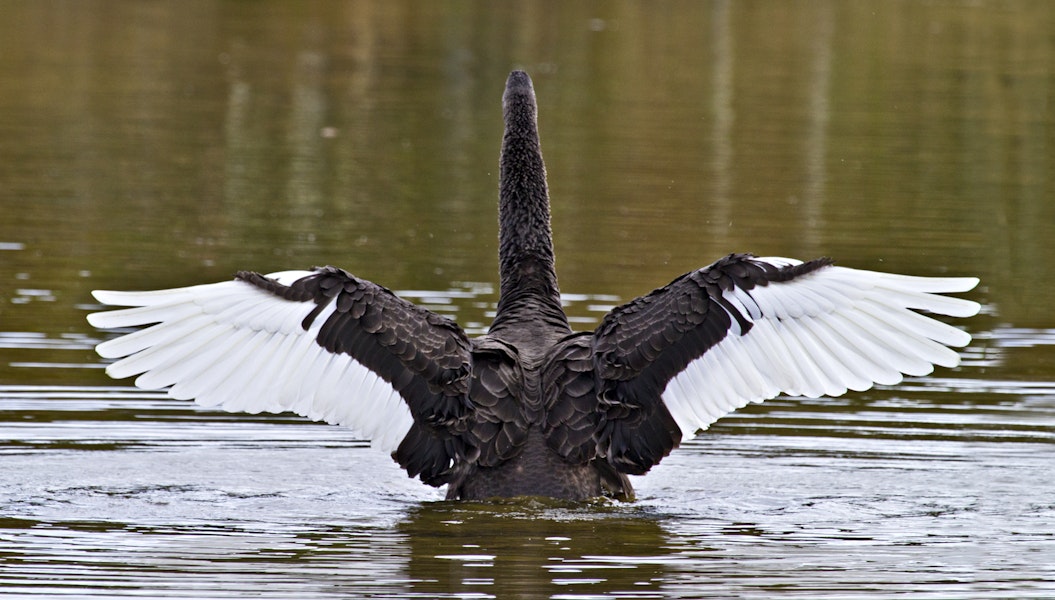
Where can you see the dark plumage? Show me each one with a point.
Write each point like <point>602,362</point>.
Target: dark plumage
<point>532,407</point>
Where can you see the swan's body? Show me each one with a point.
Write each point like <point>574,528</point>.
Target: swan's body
<point>532,408</point>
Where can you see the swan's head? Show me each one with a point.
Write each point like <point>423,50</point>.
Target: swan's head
<point>519,97</point>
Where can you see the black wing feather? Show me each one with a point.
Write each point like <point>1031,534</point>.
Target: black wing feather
<point>632,355</point>
<point>424,356</point>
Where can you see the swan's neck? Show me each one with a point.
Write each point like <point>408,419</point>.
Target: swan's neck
<point>528,293</point>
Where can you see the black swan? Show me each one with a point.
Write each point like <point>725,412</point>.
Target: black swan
<point>533,408</point>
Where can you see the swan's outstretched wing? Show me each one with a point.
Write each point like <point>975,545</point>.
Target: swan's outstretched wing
<point>322,344</point>
<point>744,329</point>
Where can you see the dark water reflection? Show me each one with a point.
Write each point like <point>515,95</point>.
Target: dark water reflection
<point>541,550</point>
<point>152,145</point>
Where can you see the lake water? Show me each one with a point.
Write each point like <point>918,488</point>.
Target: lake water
<point>148,145</point>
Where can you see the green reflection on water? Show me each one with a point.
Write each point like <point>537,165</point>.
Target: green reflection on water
<point>153,146</point>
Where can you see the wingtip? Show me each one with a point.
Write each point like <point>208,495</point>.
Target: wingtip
<point>97,320</point>
<point>966,308</point>
<point>102,296</point>
<point>959,284</point>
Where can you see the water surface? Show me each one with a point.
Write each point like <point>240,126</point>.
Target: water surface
<point>149,146</point>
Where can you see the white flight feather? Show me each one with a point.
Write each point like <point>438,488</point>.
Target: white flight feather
<point>821,334</point>
<point>237,347</point>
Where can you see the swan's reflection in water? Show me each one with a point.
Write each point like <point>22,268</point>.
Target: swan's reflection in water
<point>530,548</point>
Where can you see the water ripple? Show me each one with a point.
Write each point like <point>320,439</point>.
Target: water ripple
<point>112,490</point>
